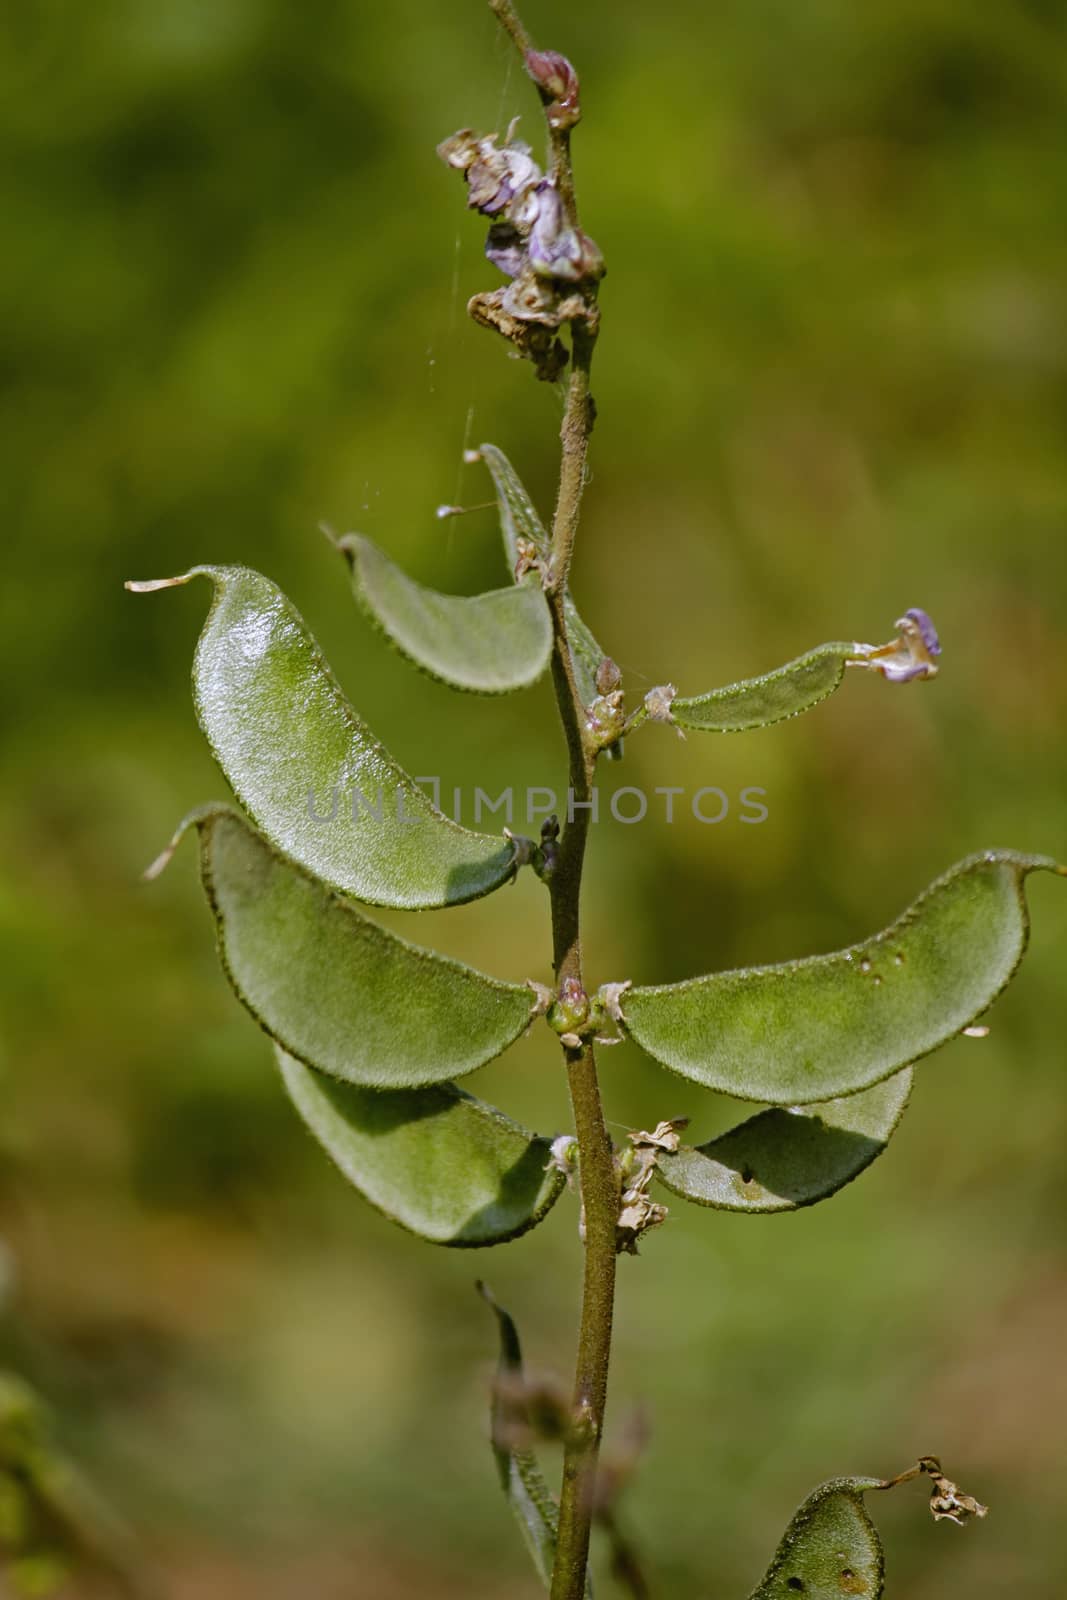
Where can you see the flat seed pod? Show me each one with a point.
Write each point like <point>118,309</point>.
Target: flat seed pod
<point>486,643</point>
<point>780,1160</point>
<point>309,771</point>
<point>800,684</point>
<point>440,1163</point>
<point>831,1025</point>
<point>334,988</point>
<point>519,523</point>
<point>759,702</point>
<point>830,1550</point>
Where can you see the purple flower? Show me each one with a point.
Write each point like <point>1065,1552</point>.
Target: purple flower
<point>907,657</point>
<point>505,248</point>
<point>927,631</point>
<point>555,248</point>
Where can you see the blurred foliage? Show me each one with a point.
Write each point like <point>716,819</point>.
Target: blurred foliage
<point>832,385</point>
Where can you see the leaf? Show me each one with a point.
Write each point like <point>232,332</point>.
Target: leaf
<point>519,523</point>
<point>780,1160</point>
<point>831,1025</point>
<point>440,1163</point>
<point>520,1476</point>
<point>309,771</point>
<point>758,702</point>
<point>586,656</point>
<point>487,643</point>
<point>830,1550</point>
<point>334,988</point>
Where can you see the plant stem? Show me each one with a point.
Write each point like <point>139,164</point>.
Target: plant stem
<point>600,1185</point>
<point>599,1177</point>
<point>559,139</point>
<point>512,24</point>
<point>578,421</point>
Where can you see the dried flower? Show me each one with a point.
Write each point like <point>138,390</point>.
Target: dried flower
<point>504,247</point>
<point>665,1136</point>
<point>553,267</point>
<point>563,1157</point>
<point>555,248</point>
<point>909,656</point>
<point>499,180</point>
<point>658,702</point>
<point>947,1501</point>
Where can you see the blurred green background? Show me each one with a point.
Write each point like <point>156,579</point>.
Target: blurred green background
<point>831,386</point>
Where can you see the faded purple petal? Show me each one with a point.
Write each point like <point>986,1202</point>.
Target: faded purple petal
<point>902,671</point>
<point>555,249</point>
<point>504,248</point>
<point>926,629</point>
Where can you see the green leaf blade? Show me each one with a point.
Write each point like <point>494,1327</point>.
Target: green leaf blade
<point>830,1550</point>
<point>586,654</point>
<point>781,1160</point>
<point>519,523</point>
<point>833,1025</point>
<point>487,644</point>
<point>338,991</point>
<point>443,1165</point>
<point>309,771</point>
<point>772,697</point>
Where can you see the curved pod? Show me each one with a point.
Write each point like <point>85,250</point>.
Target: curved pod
<point>309,771</point>
<point>338,991</point>
<point>832,1025</point>
<point>438,1162</point>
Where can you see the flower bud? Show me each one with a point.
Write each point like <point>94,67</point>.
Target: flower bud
<point>605,719</point>
<point>591,261</point>
<point>608,676</point>
<point>548,853</point>
<point>570,1012</point>
<point>559,86</point>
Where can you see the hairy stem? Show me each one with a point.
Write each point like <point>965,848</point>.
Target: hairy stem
<point>578,420</point>
<point>599,1177</point>
<point>512,23</point>
<point>559,139</point>
<point>596,1156</point>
